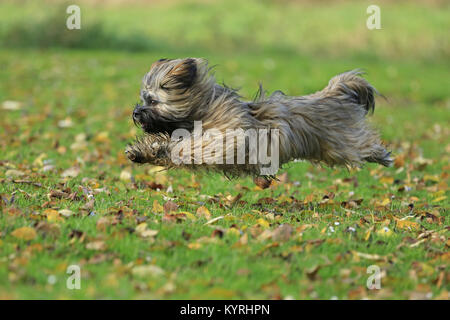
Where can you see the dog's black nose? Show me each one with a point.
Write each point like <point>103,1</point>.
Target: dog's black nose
<point>137,111</point>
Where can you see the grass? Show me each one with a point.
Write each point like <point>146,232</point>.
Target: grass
<point>285,46</point>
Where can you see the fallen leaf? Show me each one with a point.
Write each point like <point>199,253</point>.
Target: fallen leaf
<point>57,194</point>
<point>147,270</point>
<point>194,245</point>
<point>38,162</point>
<point>143,232</point>
<point>409,225</point>
<point>385,232</point>
<point>49,229</point>
<point>89,205</point>
<point>439,199</point>
<point>71,172</point>
<point>369,256</point>
<point>312,272</point>
<point>148,233</point>
<point>367,235</point>
<point>417,243</point>
<point>157,207</point>
<point>96,245</point>
<point>66,212</point>
<point>203,212</point>
<point>262,182</point>
<point>65,123</point>
<point>189,215</point>
<point>233,231</point>
<point>244,239</point>
<point>263,223</point>
<point>214,220</point>
<point>266,234</point>
<point>102,137</point>
<point>125,175</point>
<point>24,233</point>
<point>80,142</point>
<point>52,215</point>
<point>170,206</point>
<point>282,233</point>
<point>11,173</point>
<point>11,105</point>
<point>388,180</point>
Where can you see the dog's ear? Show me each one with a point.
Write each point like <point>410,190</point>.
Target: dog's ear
<point>182,75</point>
<point>160,61</point>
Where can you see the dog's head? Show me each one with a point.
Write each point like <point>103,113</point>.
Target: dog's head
<point>172,94</point>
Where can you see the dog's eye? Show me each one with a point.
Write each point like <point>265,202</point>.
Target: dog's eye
<point>151,102</point>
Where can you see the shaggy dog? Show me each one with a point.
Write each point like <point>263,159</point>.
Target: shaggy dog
<point>328,126</point>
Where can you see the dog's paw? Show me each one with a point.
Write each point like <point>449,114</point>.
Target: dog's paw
<point>134,155</point>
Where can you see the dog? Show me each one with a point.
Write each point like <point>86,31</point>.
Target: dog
<point>328,126</point>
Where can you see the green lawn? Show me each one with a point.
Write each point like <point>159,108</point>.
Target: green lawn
<point>63,136</point>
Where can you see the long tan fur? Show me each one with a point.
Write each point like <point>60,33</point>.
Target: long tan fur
<point>328,126</point>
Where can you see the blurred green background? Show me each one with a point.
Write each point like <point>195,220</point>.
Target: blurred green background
<point>410,53</point>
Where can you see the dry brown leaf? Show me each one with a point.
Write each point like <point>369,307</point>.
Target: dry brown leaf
<point>282,233</point>
<point>409,225</point>
<point>203,212</point>
<point>96,245</point>
<point>143,231</point>
<point>170,206</point>
<point>24,233</point>
<point>262,182</point>
<point>71,172</point>
<point>312,272</point>
<point>157,207</point>
<point>48,229</point>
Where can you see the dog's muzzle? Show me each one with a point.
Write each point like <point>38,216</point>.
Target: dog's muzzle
<point>137,114</point>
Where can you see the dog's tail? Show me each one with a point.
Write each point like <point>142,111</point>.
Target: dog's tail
<point>338,112</point>
<point>350,86</point>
